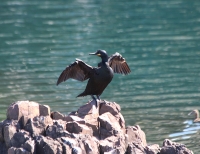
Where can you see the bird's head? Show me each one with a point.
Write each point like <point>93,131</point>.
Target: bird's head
<point>102,54</point>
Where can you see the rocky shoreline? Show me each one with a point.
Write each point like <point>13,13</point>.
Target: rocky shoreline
<point>30,128</point>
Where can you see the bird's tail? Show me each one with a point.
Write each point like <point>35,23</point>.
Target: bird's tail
<point>81,95</point>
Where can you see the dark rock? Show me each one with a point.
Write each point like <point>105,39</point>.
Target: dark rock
<point>37,125</point>
<point>57,130</point>
<point>9,131</point>
<point>170,147</point>
<point>29,146</point>
<point>46,145</point>
<point>44,110</point>
<point>3,149</point>
<point>19,138</point>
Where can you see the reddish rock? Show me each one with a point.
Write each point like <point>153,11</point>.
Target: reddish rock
<point>109,125</point>
<point>57,115</point>
<point>111,107</point>
<point>74,127</point>
<point>136,135</point>
<point>22,108</point>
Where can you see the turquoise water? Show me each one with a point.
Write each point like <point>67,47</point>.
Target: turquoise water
<point>159,39</point>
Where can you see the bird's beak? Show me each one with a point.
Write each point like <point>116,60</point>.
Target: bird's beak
<point>190,113</point>
<point>95,54</point>
<point>92,53</point>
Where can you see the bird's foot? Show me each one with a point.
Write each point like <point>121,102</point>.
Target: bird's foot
<point>96,100</point>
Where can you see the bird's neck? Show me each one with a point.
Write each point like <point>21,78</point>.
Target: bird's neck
<point>104,59</point>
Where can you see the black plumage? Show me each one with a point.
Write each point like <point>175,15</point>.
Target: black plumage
<point>99,77</point>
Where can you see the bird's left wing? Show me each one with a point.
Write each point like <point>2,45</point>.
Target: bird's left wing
<point>77,70</point>
<point>118,64</point>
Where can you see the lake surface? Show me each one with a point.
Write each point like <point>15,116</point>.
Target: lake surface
<point>160,40</point>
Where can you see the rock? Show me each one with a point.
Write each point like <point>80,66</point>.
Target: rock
<point>9,131</point>
<point>111,107</point>
<point>170,147</point>
<point>22,108</point>
<point>30,129</point>
<point>57,130</point>
<point>46,145</point>
<point>29,146</point>
<point>75,127</point>
<point>3,149</point>
<point>113,144</point>
<point>1,132</point>
<point>37,125</point>
<point>71,118</point>
<point>136,135</point>
<point>57,115</point>
<point>13,150</point>
<point>19,138</point>
<point>90,114</point>
<point>109,125</point>
<point>44,110</point>
<point>152,149</point>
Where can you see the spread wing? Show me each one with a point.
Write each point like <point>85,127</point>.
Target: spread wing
<point>77,70</point>
<point>118,64</point>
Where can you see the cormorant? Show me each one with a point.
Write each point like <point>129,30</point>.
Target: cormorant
<point>99,77</point>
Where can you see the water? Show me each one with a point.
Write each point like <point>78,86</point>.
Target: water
<point>159,39</point>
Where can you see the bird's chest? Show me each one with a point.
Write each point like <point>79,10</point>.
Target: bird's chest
<point>105,73</point>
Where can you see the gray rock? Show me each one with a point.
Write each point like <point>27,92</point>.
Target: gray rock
<point>46,145</point>
<point>19,138</point>
<point>57,130</point>
<point>38,125</point>
<point>170,147</point>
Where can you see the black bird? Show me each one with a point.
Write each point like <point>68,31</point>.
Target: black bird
<point>99,77</point>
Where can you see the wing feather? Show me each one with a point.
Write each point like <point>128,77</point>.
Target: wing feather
<point>118,64</point>
<point>78,70</point>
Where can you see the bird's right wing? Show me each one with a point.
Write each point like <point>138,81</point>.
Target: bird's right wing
<point>77,70</point>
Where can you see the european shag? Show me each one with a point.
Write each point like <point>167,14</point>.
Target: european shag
<point>99,77</point>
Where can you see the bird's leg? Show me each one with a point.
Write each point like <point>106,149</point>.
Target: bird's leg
<point>98,100</point>
<point>95,100</point>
